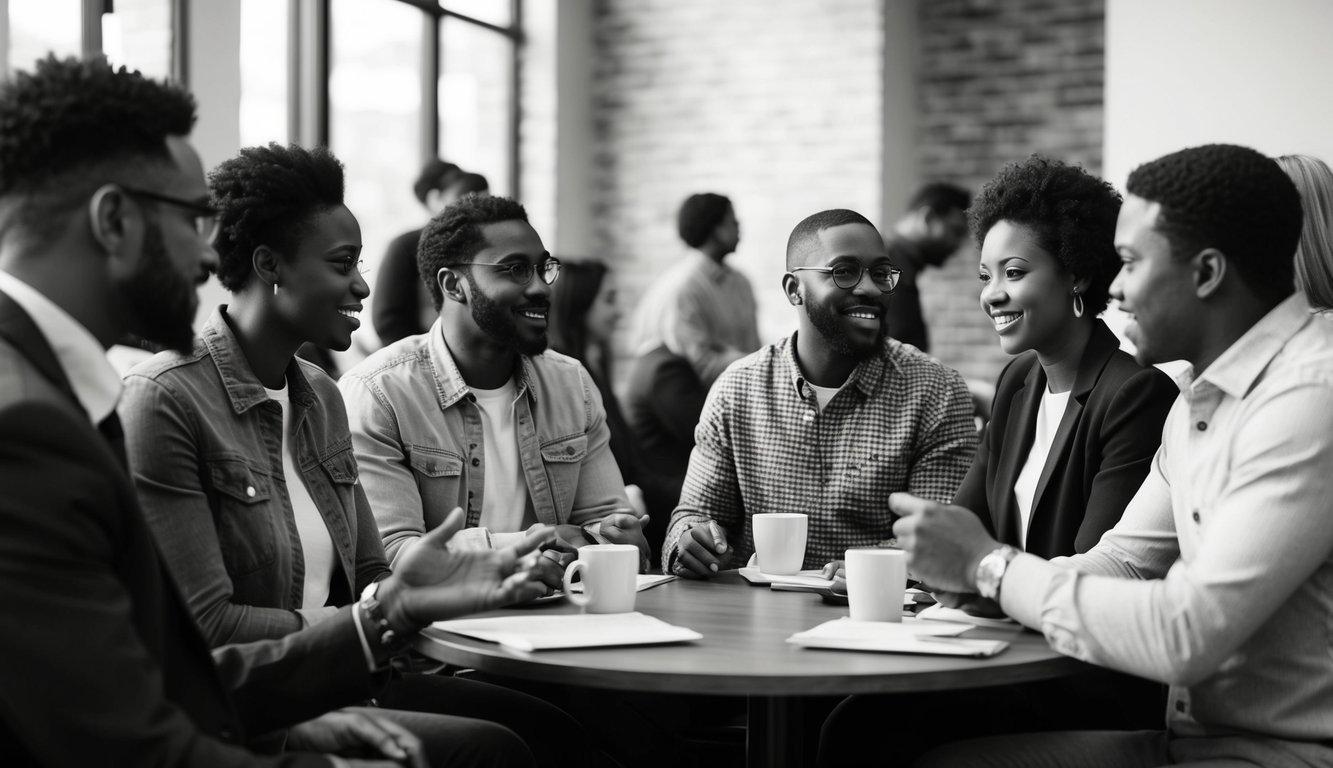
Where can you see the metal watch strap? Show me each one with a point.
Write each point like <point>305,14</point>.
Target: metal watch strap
<point>388,638</point>
<point>990,571</point>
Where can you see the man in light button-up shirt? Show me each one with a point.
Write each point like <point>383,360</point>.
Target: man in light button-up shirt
<point>1218,578</point>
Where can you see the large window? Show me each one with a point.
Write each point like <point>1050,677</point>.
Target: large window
<point>139,36</point>
<point>39,27</point>
<point>476,99</point>
<point>264,72</point>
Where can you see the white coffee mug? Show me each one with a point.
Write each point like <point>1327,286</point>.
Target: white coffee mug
<point>610,578</point>
<point>779,541</point>
<point>876,579</point>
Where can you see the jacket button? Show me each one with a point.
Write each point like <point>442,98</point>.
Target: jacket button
<point>250,491</point>
<point>476,462</point>
<point>430,467</point>
<point>569,451</point>
<point>1201,426</point>
<point>227,734</point>
<point>1195,515</point>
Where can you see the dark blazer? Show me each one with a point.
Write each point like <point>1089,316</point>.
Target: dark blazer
<point>1103,448</point>
<point>100,661</point>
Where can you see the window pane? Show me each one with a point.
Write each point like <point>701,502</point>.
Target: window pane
<point>264,30</point>
<point>38,27</point>
<point>374,116</point>
<point>494,11</point>
<point>138,35</point>
<point>475,100</point>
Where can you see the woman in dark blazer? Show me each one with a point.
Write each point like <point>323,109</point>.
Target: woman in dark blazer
<point>1052,483</point>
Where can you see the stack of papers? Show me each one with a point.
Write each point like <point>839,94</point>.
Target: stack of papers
<point>809,578</point>
<point>585,630</point>
<point>909,636</point>
<point>645,581</point>
<point>938,612</point>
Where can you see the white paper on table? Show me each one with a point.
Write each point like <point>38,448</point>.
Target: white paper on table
<point>582,630</point>
<point>807,578</point>
<point>645,581</point>
<point>938,612</point>
<point>909,636</point>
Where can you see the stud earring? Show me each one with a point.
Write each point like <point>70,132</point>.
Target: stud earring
<point>1078,304</point>
<point>275,288</point>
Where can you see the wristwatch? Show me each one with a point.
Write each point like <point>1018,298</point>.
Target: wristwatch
<point>990,571</point>
<point>392,641</point>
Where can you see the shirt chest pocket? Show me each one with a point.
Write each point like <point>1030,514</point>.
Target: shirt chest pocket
<point>246,513</point>
<point>340,469</point>
<point>563,459</point>
<point>439,475</point>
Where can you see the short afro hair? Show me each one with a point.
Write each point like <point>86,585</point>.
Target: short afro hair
<point>1231,198</point>
<point>436,174</point>
<point>1071,213</point>
<point>699,215</point>
<point>810,227</point>
<point>267,196</point>
<point>455,235</point>
<point>73,125</point>
<point>940,197</point>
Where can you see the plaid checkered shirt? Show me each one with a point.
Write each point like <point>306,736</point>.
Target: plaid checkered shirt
<point>902,422</point>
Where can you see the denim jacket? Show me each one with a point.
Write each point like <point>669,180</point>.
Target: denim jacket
<point>204,443</point>
<point>418,435</point>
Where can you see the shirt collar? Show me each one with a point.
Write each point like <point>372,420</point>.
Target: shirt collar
<point>79,353</point>
<point>1237,369</point>
<point>865,376</point>
<point>450,387</point>
<point>243,387</point>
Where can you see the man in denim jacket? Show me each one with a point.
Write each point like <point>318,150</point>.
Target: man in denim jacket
<point>472,414</point>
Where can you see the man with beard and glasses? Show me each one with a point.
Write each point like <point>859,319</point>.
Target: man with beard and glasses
<point>106,228</point>
<point>932,230</point>
<point>828,422</point>
<point>473,414</point>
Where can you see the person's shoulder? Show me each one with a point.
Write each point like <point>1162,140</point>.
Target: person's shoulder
<point>407,351</point>
<point>759,368</point>
<point>169,364</point>
<point>21,381</point>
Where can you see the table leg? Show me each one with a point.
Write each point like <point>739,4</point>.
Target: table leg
<point>774,732</point>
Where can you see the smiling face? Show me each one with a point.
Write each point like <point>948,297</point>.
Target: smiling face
<point>1154,287</point>
<point>848,320</point>
<point>322,284</point>
<point>1026,291</point>
<point>511,314</point>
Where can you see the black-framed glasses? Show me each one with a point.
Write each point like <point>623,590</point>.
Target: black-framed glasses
<point>521,272</point>
<point>848,276</point>
<point>205,216</point>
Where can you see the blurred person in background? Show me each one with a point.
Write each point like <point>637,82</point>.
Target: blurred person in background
<point>1314,253</point>
<point>701,309</point>
<point>932,230</point>
<point>402,304</point>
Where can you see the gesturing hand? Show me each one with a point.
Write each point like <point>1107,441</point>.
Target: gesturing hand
<point>626,528</point>
<point>358,733</point>
<point>944,543</point>
<point>700,551</point>
<point>432,582</point>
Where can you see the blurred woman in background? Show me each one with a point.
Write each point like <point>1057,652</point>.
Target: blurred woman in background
<point>1314,253</point>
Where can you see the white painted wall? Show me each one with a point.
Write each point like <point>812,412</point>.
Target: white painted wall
<point>1186,72</point>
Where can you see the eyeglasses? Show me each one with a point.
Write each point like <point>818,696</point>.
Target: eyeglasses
<point>521,272</point>
<point>848,276</point>
<point>205,216</point>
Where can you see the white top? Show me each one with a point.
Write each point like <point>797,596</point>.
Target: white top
<point>1050,412</point>
<point>316,543</point>
<point>824,394</point>
<point>504,500</point>
<point>94,381</point>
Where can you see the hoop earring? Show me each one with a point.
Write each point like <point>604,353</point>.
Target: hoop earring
<point>1078,304</point>
<point>275,288</point>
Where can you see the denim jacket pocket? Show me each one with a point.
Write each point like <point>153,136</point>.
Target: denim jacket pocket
<point>563,458</point>
<point>244,510</point>
<point>439,474</point>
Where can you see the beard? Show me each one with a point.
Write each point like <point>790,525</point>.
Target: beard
<point>160,300</point>
<point>830,326</point>
<point>500,325</point>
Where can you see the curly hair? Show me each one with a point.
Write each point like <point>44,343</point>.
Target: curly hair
<point>1230,198</point>
<point>812,225</point>
<point>267,196</point>
<point>71,125</point>
<point>940,197</point>
<point>699,215</point>
<point>1071,213</point>
<point>454,235</point>
<point>1314,255</point>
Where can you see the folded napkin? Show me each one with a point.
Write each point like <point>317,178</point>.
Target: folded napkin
<point>909,636</point>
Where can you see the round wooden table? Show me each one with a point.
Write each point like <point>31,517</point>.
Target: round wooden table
<point>744,652</point>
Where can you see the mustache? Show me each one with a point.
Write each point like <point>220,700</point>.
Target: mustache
<point>540,303</point>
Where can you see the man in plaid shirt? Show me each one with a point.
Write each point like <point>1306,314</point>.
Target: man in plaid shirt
<point>828,422</point>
